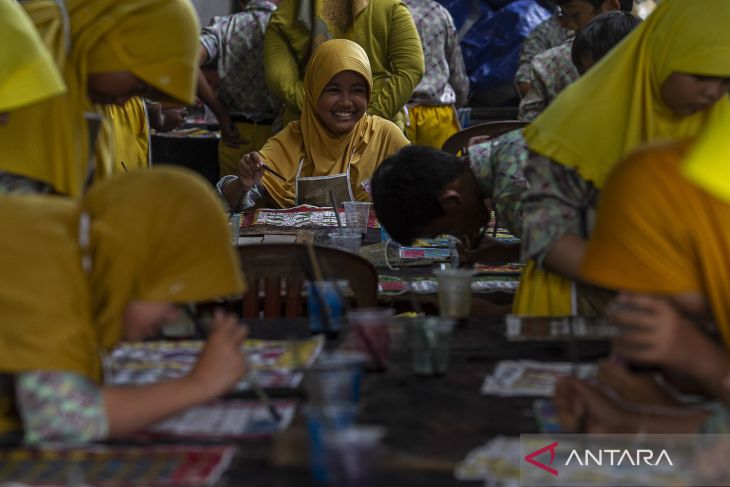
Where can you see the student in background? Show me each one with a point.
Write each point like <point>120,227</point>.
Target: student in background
<point>28,76</point>
<point>444,87</point>
<point>335,147</point>
<point>117,50</point>
<point>243,105</point>
<point>383,28</point>
<point>666,80</point>
<point>551,71</point>
<point>82,275</point>
<point>550,33</point>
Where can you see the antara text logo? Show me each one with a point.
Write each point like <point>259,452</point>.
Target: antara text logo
<point>599,457</point>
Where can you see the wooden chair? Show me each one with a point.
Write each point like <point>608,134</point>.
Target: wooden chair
<point>457,143</point>
<point>280,270</point>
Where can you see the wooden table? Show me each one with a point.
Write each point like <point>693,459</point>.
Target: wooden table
<point>431,422</point>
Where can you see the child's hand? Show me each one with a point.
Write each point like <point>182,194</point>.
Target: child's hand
<point>229,132</point>
<point>250,170</point>
<point>583,409</point>
<point>221,363</point>
<point>653,332</point>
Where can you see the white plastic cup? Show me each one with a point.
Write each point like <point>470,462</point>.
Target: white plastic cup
<point>352,454</point>
<point>454,292</point>
<point>357,214</point>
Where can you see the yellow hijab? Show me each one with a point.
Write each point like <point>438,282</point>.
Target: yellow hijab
<point>71,267</point>
<point>324,153</point>
<point>156,40</point>
<point>617,105</point>
<point>27,71</point>
<point>659,232</point>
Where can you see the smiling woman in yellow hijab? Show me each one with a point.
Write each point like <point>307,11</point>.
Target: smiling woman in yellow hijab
<point>128,48</point>
<point>27,71</point>
<point>79,276</point>
<point>336,145</point>
<point>666,80</point>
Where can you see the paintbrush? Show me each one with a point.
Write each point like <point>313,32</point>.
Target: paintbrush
<point>202,332</point>
<point>272,171</point>
<point>333,201</point>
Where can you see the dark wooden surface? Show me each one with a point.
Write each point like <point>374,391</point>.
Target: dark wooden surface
<point>197,153</point>
<point>431,422</point>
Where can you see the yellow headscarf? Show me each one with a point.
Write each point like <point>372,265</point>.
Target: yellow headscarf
<point>159,235</point>
<point>156,40</point>
<point>27,71</point>
<point>370,141</point>
<point>658,232</point>
<point>617,104</point>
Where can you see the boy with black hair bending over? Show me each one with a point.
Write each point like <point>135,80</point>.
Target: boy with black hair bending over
<point>423,192</point>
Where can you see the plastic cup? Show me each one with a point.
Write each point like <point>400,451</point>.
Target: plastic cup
<point>454,292</point>
<point>357,214</point>
<point>346,239</point>
<point>430,339</point>
<point>320,422</point>
<point>324,293</point>
<point>234,224</point>
<point>352,455</point>
<point>372,337</point>
<point>334,379</point>
<point>385,254</point>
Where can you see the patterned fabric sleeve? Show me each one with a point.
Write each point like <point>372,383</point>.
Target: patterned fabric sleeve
<point>60,407</point>
<point>557,202</point>
<point>249,200</point>
<point>498,165</point>
<point>536,99</point>
<point>210,38</point>
<point>546,35</point>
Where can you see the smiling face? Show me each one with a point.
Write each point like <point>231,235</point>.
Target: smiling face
<point>343,102</point>
<point>686,94</point>
<point>144,319</point>
<point>117,88</point>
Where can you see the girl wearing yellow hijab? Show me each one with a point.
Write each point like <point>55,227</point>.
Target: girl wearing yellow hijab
<point>79,276</point>
<point>107,52</point>
<point>336,146</point>
<point>662,237</point>
<point>28,74</point>
<point>665,81</point>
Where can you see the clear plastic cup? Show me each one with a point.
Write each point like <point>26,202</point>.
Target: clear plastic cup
<point>346,239</point>
<point>357,214</point>
<point>334,379</point>
<point>430,340</point>
<point>384,254</point>
<point>454,292</point>
<point>322,420</point>
<point>327,293</point>
<point>234,224</point>
<point>369,327</point>
<point>352,455</point>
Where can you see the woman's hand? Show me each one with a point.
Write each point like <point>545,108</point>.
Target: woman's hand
<point>221,363</point>
<point>250,170</point>
<point>653,332</point>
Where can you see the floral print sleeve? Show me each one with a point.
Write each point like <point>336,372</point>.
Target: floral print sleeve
<point>60,407</point>
<point>498,165</point>
<point>557,202</point>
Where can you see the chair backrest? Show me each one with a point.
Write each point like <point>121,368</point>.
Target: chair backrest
<point>458,142</point>
<point>280,270</point>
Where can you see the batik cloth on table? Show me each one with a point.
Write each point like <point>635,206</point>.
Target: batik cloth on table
<point>179,465</point>
<point>272,362</point>
<point>302,216</point>
<point>395,286</point>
